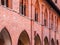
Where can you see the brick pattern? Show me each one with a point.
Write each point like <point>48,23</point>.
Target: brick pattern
<point>16,23</point>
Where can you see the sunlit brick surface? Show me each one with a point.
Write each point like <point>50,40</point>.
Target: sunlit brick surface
<point>17,29</point>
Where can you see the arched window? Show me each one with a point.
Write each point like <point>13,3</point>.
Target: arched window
<point>42,14</point>
<point>37,40</point>
<point>36,15</point>
<point>4,2</point>
<point>5,38</point>
<point>24,39</point>
<point>52,21</point>
<point>23,7</point>
<point>52,42</point>
<point>46,17</point>
<point>1,39</point>
<point>56,23</point>
<point>46,41</point>
<point>37,11</point>
<point>57,42</point>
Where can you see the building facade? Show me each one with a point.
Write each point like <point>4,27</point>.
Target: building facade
<point>29,22</point>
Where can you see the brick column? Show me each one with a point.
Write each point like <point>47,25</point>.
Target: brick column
<point>49,27</point>
<point>42,21</point>
<point>10,3</point>
<point>0,2</point>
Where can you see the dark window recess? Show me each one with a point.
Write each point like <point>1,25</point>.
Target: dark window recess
<point>52,22</point>
<point>57,42</point>
<point>4,2</point>
<point>24,12</point>
<point>51,26</point>
<point>20,42</point>
<point>57,22</point>
<point>45,22</point>
<point>36,16</point>
<point>23,9</point>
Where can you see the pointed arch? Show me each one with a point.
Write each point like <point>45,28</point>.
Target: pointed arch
<point>57,42</point>
<point>6,37</point>
<point>52,42</point>
<point>1,39</point>
<point>37,40</point>
<point>46,41</point>
<point>24,38</point>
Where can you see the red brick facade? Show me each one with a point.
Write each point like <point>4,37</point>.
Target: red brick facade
<point>38,25</point>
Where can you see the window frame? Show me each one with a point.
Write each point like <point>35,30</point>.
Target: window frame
<point>4,3</point>
<point>36,15</point>
<point>24,6</point>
